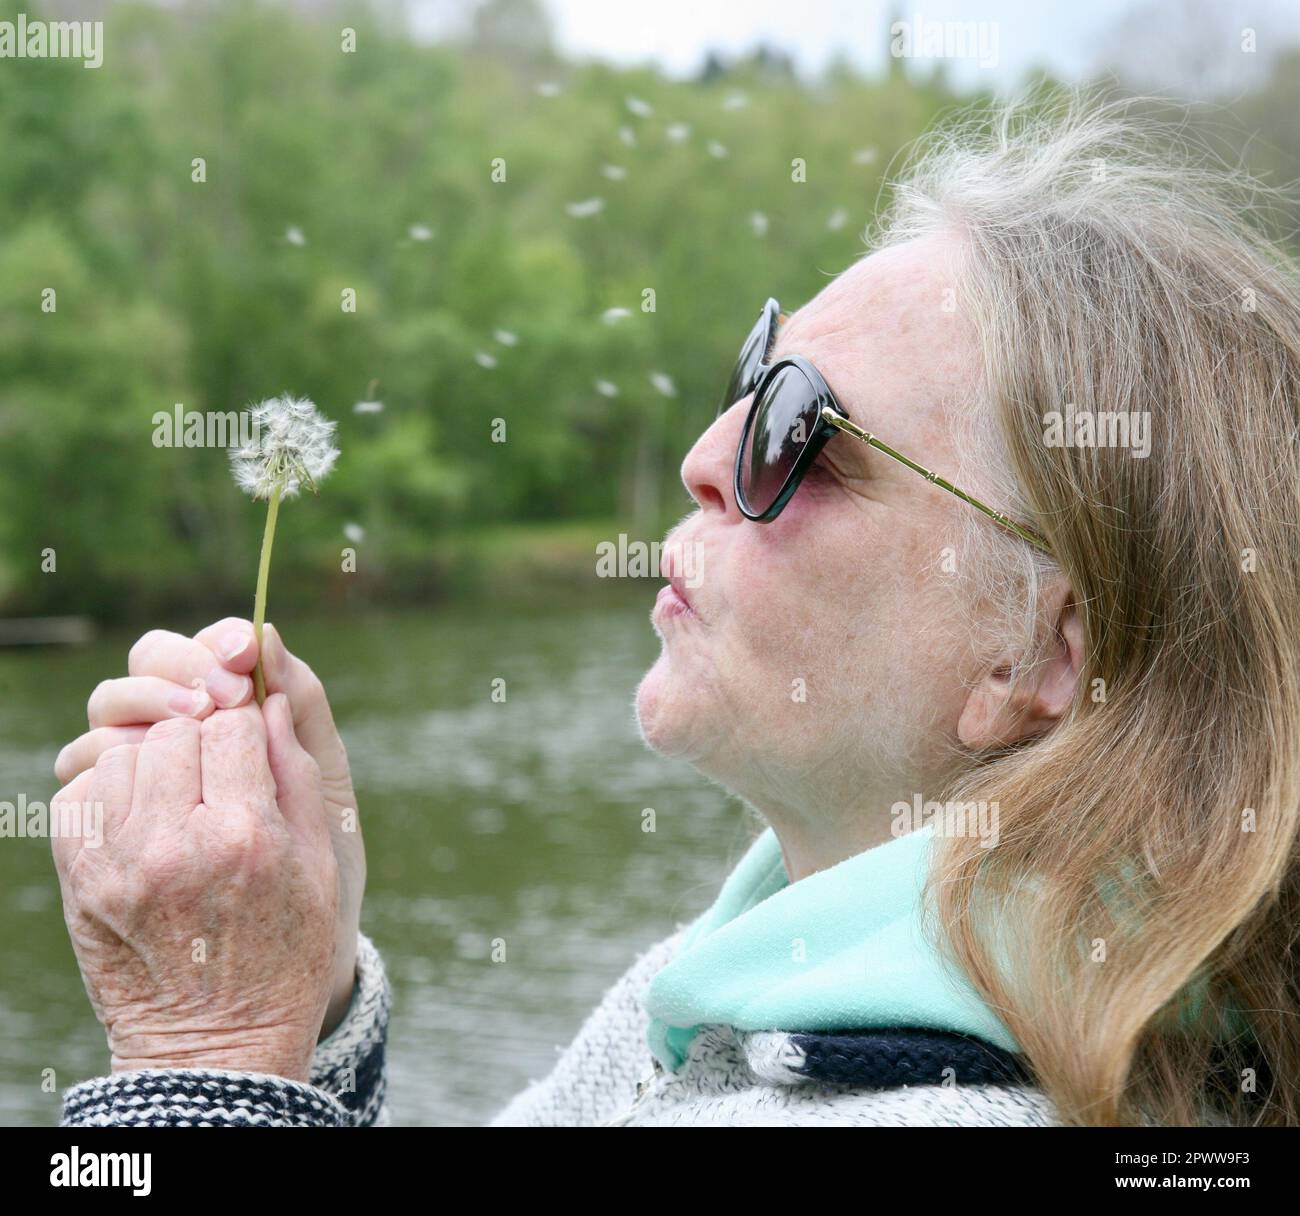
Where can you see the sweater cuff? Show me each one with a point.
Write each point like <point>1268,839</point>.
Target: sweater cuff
<point>199,1097</point>
<point>350,1064</point>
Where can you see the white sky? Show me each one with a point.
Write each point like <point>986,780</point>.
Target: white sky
<point>677,33</point>
<point>1067,36</point>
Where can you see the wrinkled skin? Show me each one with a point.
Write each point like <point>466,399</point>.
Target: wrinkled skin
<point>824,673</point>
<point>175,679</point>
<point>204,923</point>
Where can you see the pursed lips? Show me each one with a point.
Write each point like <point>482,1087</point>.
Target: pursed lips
<point>675,577</point>
<point>678,584</point>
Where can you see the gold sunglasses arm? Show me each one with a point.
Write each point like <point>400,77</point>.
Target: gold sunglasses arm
<point>850,428</point>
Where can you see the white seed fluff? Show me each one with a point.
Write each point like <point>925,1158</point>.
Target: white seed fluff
<point>292,446</point>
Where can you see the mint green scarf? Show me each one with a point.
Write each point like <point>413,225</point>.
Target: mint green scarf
<point>838,950</point>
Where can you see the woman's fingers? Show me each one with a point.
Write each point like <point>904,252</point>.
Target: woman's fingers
<point>133,700</point>
<point>111,782</point>
<point>82,752</point>
<point>167,778</point>
<point>233,642</point>
<point>230,645</point>
<point>73,795</point>
<point>297,777</point>
<point>234,769</point>
<point>184,660</point>
<point>312,718</point>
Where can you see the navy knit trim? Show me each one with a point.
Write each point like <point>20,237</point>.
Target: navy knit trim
<point>890,1059</point>
<point>371,1077</point>
<point>199,1097</point>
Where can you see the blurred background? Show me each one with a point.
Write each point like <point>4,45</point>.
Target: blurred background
<point>561,213</point>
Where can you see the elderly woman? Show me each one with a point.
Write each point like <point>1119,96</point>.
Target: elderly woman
<point>1024,739</point>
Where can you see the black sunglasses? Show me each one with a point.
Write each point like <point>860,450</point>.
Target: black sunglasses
<point>793,415</point>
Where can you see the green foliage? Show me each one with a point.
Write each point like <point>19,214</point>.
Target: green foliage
<point>204,293</point>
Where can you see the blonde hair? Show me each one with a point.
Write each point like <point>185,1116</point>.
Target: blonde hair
<point>1136,925</point>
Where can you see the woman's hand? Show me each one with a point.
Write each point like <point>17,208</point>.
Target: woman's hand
<point>204,921</point>
<point>171,675</point>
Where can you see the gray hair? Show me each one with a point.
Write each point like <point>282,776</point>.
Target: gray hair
<point>1066,208</point>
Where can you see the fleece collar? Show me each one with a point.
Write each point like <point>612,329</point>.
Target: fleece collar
<point>839,950</point>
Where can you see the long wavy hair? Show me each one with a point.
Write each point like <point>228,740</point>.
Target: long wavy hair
<point>1136,925</point>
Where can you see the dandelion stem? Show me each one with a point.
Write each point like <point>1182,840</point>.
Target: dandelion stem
<point>259,603</point>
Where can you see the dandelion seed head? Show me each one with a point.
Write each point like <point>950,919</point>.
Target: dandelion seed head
<point>292,446</point>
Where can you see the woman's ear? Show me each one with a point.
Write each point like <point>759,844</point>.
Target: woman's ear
<point>998,715</point>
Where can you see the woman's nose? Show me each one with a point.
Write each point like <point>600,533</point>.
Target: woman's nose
<point>709,467</point>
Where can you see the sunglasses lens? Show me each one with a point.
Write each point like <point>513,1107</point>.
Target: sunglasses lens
<point>742,376</point>
<point>784,420</point>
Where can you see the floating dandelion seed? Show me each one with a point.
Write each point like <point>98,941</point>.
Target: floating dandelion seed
<point>837,219</point>
<point>548,88</point>
<point>717,149</point>
<point>485,359</point>
<point>758,222</point>
<point>615,173</point>
<point>354,532</point>
<point>294,235</point>
<point>370,405</point>
<point>678,131</point>
<point>420,232</point>
<point>612,316</point>
<point>664,383</point>
<point>606,388</point>
<point>628,136</point>
<point>587,207</point>
<point>865,156</point>
<point>735,101</point>
<point>292,447</point>
<point>642,109</point>
<point>506,337</point>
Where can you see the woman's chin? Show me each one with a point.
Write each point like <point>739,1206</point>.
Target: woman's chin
<point>663,710</point>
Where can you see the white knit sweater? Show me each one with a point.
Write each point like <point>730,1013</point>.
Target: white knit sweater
<point>607,1076</point>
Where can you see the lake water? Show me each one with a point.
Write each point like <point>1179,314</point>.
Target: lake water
<point>519,821</point>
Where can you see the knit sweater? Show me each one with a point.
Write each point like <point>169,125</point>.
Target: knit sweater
<point>608,1076</point>
<point>876,1077</point>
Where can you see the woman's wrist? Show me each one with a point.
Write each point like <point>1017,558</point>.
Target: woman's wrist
<point>282,1055</point>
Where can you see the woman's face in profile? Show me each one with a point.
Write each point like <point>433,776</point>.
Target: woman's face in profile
<point>820,646</point>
